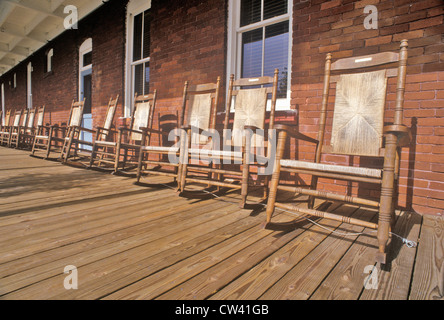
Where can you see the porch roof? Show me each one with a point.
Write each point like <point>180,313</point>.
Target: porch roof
<point>27,25</point>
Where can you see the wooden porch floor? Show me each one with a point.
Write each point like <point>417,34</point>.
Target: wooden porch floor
<point>139,242</point>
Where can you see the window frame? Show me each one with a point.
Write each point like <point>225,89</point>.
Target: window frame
<point>134,8</point>
<point>234,45</point>
<point>49,56</point>
<point>29,70</point>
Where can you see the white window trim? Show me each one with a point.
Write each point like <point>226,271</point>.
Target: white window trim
<point>49,56</point>
<point>134,7</point>
<point>234,42</point>
<point>2,120</point>
<point>85,48</point>
<point>29,86</point>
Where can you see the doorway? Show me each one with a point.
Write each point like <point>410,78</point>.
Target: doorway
<point>85,89</point>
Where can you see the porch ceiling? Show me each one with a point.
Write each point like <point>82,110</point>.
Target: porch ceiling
<point>27,25</point>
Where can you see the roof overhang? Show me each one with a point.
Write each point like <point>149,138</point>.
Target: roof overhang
<point>27,25</point>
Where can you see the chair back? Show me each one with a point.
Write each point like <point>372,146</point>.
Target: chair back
<point>31,118</point>
<point>17,117</point>
<point>7,117</point>
<point>200,107</point>
<point>360,101</point>
<point>40,116</point>
<point>250,99</point>
<point>76,113</point>
<point>24,118</point>
<point>110,113</point>
<point>142,114</point>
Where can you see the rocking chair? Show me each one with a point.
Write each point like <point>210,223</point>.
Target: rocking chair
<point>107,153</point>
<point>358,129</point>
<point>51,138</point>
<point>249,96</point>
<point>199,106</point>
<point>73,141</point>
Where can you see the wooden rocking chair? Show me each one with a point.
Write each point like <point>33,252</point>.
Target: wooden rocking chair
<point>198,107</point>
<point>28,133</point>
<point>73,141</point>
<point>107,153</point>
<point>357,129</point>
<point>4,130</point>
<point>12,131</point>
<point>250,97</point>
<point>51,138</point>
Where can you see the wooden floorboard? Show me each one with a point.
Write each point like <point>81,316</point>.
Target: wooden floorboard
<point>131,241</point>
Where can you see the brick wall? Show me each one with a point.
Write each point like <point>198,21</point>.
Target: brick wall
<point>337,26</point>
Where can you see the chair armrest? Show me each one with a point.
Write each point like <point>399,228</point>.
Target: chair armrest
<point>197,130</point>
<point>295,133</point>
<point>121,129</point>
<point>105,129</point>
<point>84,129</point>
<point>403,133</point>
<point>149,130</point>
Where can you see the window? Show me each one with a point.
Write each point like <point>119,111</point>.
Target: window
<point>48,65</point>
<point>138,51</point>
<point>260,38</point>
<point>29,86</point>
<point>2,120</point>
<point>14,81</point>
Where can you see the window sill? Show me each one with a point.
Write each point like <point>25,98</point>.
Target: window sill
<point>47,74</point>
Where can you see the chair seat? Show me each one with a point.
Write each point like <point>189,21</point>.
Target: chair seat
<point>366,172</point>
<point>216,153</point>
<point>42,137</point>
<point>154,148</point>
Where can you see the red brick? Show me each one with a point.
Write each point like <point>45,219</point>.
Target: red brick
<point>429,22</point>
<point>378,41</point>
<point>330,4</point>
<point>408,35</point>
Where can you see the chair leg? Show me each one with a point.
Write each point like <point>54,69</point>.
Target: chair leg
<point>93,154</point>
<point>272,194</point>
<point>386,200</point>
<point>33,145</point>
<point>139,166</point>
<point>117,155</point>
<point>48,147</point>
<point>244,187</point>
